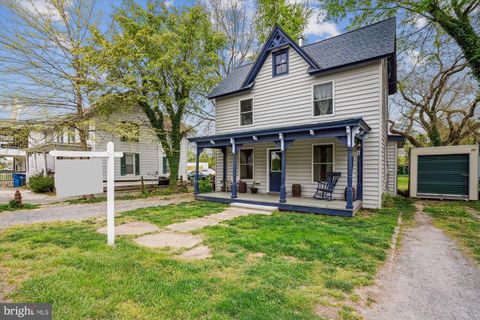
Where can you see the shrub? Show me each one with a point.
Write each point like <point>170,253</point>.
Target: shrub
<point>205,185</point>
<point>13,204</point>
<point>40,183</point>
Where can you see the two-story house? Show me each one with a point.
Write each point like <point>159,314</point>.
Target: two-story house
<point>143,155</point>
<point>300,112</point>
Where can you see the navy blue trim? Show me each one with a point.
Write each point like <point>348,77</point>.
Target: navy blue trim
<point>274,62</point>
<point>282,206</point>
<point>278,38</point>
<point>246,88</point>
<point>322,129</point>
<point>392,137</point>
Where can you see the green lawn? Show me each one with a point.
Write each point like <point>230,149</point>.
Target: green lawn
<point>458,222</point>
<point>263,267</point>
<point>26,206</point>
<point>402,182</point>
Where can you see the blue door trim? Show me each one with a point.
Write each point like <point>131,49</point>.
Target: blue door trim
<point>274,178</point>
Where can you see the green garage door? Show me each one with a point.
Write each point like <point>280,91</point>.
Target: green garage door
<point>443,174</point>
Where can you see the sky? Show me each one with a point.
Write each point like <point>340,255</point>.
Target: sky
<point>316,29</point>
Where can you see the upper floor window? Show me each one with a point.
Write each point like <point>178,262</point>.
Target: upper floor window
<point>280,62</point>
<point>246,112</point>
<point>323,99</point>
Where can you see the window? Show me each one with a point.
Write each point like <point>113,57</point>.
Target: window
<point>280,63</point>
<point>246,164</point>
<point>130,132</point>
<point>165,167</point>
<point>323,159</point>
<point>246,112</point>
<point>130,164</point>
<point>323,99</point>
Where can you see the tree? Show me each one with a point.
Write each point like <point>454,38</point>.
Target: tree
<point>457,18</point>
<point>233,19</point>
<point>41,64</point>
<point>438,99</point>
<point>291,16</point>
<point>162,60</point>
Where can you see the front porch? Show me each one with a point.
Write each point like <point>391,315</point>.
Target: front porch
<point>278,159</point>
<point>300,204</point>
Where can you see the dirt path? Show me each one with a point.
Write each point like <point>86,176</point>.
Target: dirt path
<point>430,279</point>
<point>67,212</point>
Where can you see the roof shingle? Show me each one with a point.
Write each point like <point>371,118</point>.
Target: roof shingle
<point>373,41</point>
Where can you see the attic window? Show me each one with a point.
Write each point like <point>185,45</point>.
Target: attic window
<point>280,62</point>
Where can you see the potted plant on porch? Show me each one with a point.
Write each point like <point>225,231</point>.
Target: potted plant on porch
<point>253,188</point>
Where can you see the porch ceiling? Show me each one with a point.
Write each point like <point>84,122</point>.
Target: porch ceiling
<point>47,147</point>
<point>333,129</point>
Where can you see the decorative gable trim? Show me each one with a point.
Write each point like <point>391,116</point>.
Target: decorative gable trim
<point>278,38</point>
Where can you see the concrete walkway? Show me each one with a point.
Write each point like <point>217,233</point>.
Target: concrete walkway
<point>429,280</point>
<point>76,212</point>
<point>178,236</point>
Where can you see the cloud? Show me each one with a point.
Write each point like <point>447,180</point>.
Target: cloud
<point>169,4</point>
<point>413,58</point>
<point>318,27</point>
<point>41,7</point>
<point>420,22</point>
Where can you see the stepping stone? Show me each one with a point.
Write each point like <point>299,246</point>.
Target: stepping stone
<point>230,213</point>
<point>197,253</point>
<point>132,228</point>
<point>168,239</point>
<point>193,224</point>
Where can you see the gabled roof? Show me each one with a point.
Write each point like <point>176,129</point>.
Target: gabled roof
<point>371,42</point>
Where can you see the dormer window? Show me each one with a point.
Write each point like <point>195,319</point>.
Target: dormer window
<point>280,62</point>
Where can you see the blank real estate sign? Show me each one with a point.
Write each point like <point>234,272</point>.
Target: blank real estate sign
<point>76,177</point>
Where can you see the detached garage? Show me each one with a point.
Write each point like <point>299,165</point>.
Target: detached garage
<point>444,172</point>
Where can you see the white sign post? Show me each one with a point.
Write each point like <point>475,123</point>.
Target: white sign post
<point>69,175</point>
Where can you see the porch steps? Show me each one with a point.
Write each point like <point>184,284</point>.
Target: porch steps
<point>256,207</point>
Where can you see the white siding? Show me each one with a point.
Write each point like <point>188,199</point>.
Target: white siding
<point>299,166</point>
<point>287,100</point>
<point>148,147</point>
<point>392,167</point>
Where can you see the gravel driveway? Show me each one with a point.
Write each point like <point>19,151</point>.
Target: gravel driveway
<point>430,280</point>
<point>66,212</point>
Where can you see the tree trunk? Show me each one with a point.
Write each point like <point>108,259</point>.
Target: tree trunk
<point>173,162</point>
<point>461,30</point>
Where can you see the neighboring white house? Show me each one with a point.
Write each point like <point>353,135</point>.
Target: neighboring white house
<point>143,153</point>
<point>300,112</point>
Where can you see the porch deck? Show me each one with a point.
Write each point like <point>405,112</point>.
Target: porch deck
<point>300,204</point>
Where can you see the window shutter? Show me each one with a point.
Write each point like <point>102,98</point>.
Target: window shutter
<point>123,165</point>
<point>165,165</point>
<point>137,164</point>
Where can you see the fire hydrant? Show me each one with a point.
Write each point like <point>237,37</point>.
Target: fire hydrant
<point>18,198</point>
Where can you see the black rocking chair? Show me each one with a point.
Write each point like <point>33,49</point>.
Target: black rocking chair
<point>325,188</point>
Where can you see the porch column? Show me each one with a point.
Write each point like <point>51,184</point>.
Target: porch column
<point>224,177</point>
<point>199,151</point>
<point>360,172</point>
<point>350,139</point>
<point>283,177</point>
<point>235,149</point>
<point>44,164</point>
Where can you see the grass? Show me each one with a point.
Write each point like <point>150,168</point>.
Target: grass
<point>157,192</point>
<point>402,182</point>
<point>263,267</point>
<point>26,206</point>
<point>459,223</point>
